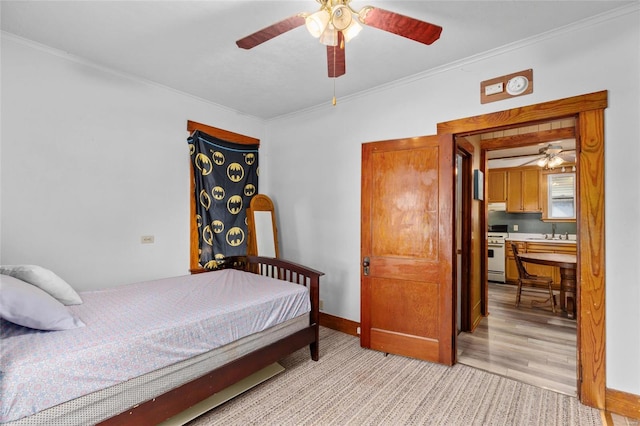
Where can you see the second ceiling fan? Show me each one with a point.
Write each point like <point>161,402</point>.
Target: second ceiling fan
<point>336,23</point>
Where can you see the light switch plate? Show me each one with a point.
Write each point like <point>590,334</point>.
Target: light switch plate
<point>494,88</point>
<point>489,91</point>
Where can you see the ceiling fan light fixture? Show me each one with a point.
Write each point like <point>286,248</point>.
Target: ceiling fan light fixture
<point>542,162</point>
<point>352,30</point>
<point>555,161</point>
<point>317,22</point>
<point>329,36</point>
<point>341,17</point>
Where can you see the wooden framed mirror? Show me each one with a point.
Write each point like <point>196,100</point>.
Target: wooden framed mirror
<point>261,226</point>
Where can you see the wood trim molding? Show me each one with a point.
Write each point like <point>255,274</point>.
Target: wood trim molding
<point>623,403</point>
<point>589,110</point>
<point>526,114</point>
<point>529,139</point>
<point>339,324</point>
<point>591,258</point>
<point>226,135</point>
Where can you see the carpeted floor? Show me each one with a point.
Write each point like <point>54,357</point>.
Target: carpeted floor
<point>354,386</point>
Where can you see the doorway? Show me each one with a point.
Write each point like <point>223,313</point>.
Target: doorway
<point>531,343</point>
<point>589,112</point>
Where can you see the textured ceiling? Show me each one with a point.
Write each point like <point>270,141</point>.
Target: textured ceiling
<point>190,45</point>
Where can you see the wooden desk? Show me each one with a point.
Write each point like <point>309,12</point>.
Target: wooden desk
<point>568,284</point>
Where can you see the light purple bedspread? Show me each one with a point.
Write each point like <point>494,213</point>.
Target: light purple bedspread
<point>135,329</point>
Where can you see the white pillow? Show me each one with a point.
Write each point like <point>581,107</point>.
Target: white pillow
<point>45,280</point>
<point>27,305</point>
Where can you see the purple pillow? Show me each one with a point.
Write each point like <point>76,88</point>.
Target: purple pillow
<point>27,305</point>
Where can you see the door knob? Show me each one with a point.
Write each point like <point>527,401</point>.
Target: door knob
<point>365,266</point>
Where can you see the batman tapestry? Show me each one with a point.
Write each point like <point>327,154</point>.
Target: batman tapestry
<point>226,178</point>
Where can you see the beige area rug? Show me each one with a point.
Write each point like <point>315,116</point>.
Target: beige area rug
<point>354,386</point>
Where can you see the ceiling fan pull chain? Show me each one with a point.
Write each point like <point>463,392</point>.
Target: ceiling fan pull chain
<point>334,92</point>
<point>334,78</point>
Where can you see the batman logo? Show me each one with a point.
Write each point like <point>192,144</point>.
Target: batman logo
<point>235,236</point>
<point>234,205</point>
<point>217,226</point>
<point>207,236</point>
<point>219,257</point>
<point>218,193</point>
<point>212,264</point>
<point>235,172</point>
<point>258,171</point>
<point>218,158</point>
<point>250,158</point>
<point>199,221</point>
<point>192,149</point>
<point>205,200</point>
<point>203,163</point>
<point>249,190</point>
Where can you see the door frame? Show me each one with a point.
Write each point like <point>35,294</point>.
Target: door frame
<point>588,110</point>
<point>466,150</point>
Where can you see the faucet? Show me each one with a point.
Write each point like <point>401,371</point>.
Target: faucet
<point>553,230</point>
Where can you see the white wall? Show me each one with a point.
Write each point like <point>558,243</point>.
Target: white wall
<point>91,161</point>
<point>74,198</point>
<point>318,191</point>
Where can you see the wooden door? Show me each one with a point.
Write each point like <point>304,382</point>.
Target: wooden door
<point>407,241</point>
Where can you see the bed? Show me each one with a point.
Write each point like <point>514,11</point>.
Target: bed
<point>146,375</point>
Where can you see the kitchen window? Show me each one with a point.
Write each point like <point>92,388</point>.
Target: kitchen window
<point>561,196</point>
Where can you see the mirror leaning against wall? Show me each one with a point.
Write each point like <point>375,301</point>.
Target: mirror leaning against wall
<point>261,225</point>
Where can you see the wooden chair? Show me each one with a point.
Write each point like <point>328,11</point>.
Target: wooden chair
<point>533,281</point>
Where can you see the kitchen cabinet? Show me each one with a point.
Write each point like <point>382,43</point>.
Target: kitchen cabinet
<point>511,269</point>
<point>497,186</point>
<point>523,190</point>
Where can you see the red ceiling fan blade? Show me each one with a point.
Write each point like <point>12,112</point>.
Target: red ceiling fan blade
<point>401,25</point>
<point>336,58</point>
<point>270,32</point>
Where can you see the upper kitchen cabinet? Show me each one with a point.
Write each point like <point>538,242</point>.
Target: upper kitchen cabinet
<point>523,190</point>
<point>558,196</point>
<point>497,186</point>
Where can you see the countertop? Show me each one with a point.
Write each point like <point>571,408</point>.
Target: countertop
<point>539,238</point>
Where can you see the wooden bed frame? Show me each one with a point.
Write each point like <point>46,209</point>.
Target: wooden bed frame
<point>179,399</point>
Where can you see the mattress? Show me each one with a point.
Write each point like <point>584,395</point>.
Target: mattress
<point>103,404</point>
<point>138,329</point>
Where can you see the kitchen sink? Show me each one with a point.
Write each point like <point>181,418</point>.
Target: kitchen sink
<point>555,239</point>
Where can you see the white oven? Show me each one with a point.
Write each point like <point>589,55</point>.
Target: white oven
<point>496,256</point>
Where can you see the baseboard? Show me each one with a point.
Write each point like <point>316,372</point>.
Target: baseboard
<point>339,324</point>
<point>623,403</point>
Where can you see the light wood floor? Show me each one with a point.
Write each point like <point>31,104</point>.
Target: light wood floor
<point>529,344</point>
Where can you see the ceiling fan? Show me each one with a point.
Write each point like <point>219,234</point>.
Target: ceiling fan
<point>336,23</point>
<point>550,156</point>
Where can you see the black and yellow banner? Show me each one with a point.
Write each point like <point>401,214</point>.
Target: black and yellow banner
<point>226,178</point>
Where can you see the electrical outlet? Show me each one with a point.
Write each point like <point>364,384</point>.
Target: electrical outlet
<point>515,227</point>
<point>358,331</point>
<point>321,305</point>
<point>147,239</point>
